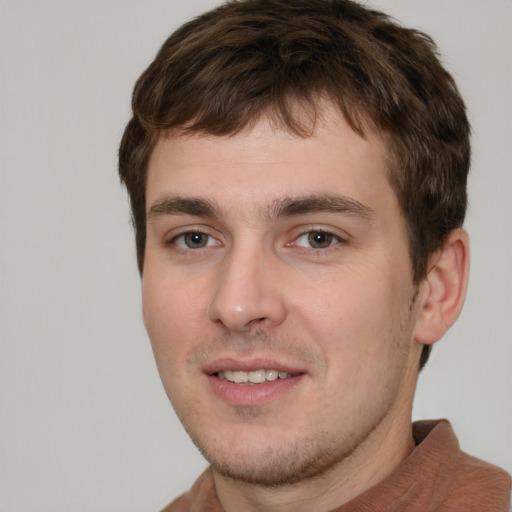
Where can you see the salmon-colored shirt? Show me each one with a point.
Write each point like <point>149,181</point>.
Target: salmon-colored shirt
<point>437,476</point>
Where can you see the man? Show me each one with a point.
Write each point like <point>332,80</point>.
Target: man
<point>297,174</point>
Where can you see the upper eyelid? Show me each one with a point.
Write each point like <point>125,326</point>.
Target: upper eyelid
<point>173,233</point>
<point>337,232</point>
<point>324,231</point>
<point>189,232</point>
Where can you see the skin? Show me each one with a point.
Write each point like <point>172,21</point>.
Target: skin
<point>344,316</point>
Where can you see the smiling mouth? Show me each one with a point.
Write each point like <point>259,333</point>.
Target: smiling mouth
<point>252,377</point>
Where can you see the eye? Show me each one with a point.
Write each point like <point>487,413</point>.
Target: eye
<point>194,240</point>
<point>317,239</point>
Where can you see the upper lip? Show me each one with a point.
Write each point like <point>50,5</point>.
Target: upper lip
<point>248,365</point>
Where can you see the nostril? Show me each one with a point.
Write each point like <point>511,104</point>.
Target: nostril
<point>258,320</point>
<point>241,301</point>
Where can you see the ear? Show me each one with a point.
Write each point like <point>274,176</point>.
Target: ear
<point>443,291</point>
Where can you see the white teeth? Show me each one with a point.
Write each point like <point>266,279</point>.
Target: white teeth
<point>254,377</point>
<point>240,377</point>
<point>257,377</point>
<point>271,374</point>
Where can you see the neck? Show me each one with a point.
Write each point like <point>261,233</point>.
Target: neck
<point>374,459</point>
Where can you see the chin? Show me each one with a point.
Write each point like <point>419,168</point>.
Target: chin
<point>269,466</point>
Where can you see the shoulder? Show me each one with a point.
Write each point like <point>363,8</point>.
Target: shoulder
<point>475,479</point>
<point>457,481</point>
<point>201,497</point>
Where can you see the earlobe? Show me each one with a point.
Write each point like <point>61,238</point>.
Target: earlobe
<point>443,291</point>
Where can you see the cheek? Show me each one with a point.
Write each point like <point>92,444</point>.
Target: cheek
<point>171,300</point>
<point>168,320</point>
<point>167,312</point>
<point>341,305</point>
<point>352,317</point>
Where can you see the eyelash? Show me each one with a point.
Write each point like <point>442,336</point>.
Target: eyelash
<point>176,240</point>
<point>330,239</point>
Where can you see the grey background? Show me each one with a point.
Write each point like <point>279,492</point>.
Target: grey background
<point>84,422</point>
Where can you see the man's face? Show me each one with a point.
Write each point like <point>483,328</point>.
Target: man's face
<point>285,260</point>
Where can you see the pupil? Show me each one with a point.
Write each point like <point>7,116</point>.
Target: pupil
<point>195,240</point>
<point>319,239</point>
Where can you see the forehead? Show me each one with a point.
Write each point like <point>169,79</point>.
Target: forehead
<point>261,164</point>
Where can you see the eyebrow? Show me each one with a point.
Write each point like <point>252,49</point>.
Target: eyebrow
<point>177,205</point>
<point>330,203</point>
<point>283,207</point>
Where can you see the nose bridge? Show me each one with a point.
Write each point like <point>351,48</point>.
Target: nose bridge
<point>246,293</point>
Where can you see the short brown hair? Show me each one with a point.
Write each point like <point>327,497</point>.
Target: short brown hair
<point>224,70</point>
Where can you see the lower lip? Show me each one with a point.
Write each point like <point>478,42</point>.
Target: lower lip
<point>247,395</point>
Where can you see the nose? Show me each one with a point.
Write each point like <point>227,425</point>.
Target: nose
<point>247,292</point>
